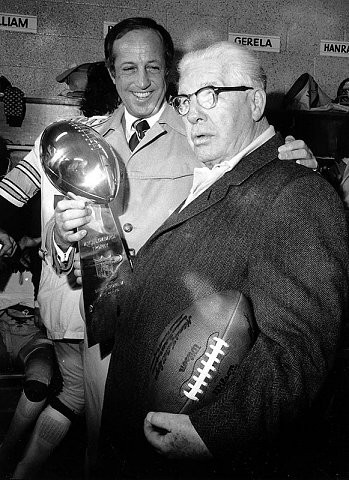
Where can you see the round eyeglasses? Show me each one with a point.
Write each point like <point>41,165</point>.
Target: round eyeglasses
<point>206,97</point>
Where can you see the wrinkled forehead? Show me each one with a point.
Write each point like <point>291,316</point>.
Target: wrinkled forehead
<point>137,44</point>
<point>200,73</point>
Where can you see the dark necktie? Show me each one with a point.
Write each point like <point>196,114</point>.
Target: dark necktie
<point>141,127</point>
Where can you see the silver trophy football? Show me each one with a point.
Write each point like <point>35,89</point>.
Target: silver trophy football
<point>78,160</point>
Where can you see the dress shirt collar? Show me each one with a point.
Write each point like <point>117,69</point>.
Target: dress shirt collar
<point>130,119</point>
<point>204,177</point>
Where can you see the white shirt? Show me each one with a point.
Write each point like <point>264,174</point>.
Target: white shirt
<point>130,119</point>
<point>204,177</point>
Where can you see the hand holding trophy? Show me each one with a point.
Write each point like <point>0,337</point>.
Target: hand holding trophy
<point>78,160</point>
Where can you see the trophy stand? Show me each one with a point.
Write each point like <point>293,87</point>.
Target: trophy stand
<point>102,252</point>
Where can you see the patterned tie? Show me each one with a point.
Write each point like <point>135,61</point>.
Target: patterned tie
<point>141,127</point>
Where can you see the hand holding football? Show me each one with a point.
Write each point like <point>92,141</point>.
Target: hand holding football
<point>199,351</point>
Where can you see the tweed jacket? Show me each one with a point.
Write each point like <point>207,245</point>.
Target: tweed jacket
<point>275,232</point>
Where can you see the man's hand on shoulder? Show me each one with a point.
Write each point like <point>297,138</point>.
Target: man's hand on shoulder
<point>297,150</point>
<point>70,215</point>
<point>174,436</point>
<point>8,245</point>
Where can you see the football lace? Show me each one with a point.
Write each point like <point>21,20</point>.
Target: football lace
<point>85,130</point>
<point>204,373</point>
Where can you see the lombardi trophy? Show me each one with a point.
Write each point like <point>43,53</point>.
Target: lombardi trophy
<point>78,160</point>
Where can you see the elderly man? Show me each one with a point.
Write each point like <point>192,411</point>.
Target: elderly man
<point>274,231</point>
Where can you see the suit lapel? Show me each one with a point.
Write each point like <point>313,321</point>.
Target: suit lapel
<point>114,132</point>
<point>168,118</point>
<point>218,191</point>
<point>155,132</point>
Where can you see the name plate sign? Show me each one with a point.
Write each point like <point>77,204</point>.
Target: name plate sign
<point>18,23</point>
<point>263,43</point>
<point>334,48</point>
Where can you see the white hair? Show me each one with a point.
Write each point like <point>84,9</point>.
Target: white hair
<point>200,38</point>
<point>237,63</point>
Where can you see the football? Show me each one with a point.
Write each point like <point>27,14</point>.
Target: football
<point>79,160</point>
<point>199,351</point>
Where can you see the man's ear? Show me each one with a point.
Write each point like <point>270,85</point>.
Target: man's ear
<point>259,101</point>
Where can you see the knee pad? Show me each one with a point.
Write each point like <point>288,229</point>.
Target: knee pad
<point>35,391</point>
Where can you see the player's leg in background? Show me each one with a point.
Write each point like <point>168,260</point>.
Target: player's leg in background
<point>55,421</point>
<point>38,368</point>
